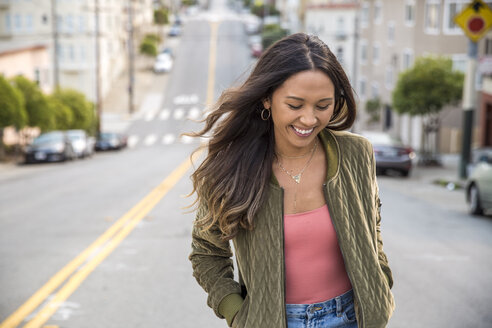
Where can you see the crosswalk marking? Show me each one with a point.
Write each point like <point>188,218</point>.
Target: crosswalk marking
<point>150,139</point>
<point>132,141</point>
<point>150,115</point>
<point>194,113</point>
<point>164,115</point>
<point>168,139</point>
<point>178,113</point>
<point>186,139</point>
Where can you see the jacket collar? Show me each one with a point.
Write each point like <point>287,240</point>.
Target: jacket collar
<point>332,151</point>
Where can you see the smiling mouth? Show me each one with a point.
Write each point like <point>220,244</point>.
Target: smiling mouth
<point>301,132</point>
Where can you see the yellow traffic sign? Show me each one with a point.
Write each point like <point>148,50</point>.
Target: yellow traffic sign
<point>475,19</point>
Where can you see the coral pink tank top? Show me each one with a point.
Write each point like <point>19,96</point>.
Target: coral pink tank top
<point>315,271</point>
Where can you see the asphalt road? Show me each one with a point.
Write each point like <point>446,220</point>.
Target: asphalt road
<point>440,256</point>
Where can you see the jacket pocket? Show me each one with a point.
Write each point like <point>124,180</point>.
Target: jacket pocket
<point>241,315</point>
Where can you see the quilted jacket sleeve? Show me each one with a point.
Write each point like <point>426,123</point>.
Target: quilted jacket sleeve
<point>383,260</point>
<point>212,264</point>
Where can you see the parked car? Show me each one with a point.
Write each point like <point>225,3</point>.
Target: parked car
<point>175,30</point>
<point>479,182</point>
<point>163,63</point>
<point>390,153</point>
<point>81,143</point>
<point>168,51</point>
<point>52,146</point>
<point>111,141</point>
<point>256,49</point>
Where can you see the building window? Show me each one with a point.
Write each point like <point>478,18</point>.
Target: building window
<point>391,32</point>
<point>459,62</point>
<point>17,22</point>
<point>410,13</point>
<point>375,90</point>
<point>378,12</point>
<point>340,55</point>
<point>362,87</point>
<point>488,46</point>
<point>69,24</point>
<point>432,8</point>
<point>59,23</point>
<point>407,60</point>
<point>375,53</point>
<point>81,24</point>
<point>363,51</point>
<point>8,23</point>
<point>340,33</point>
<point>389,78</point>
<point>37,76</point>
<point>29,23</point>
<point>71,53</point>
<point>82,53</point>
<point>44,19</point>
<point>451,9</point>
<point>364,15</point>
<point>60,53</point>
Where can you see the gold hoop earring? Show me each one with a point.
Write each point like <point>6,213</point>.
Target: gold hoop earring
<point>263,114</point>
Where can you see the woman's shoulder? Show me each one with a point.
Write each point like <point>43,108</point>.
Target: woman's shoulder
<point>347,138</point>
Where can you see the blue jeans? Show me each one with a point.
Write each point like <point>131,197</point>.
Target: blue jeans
<point>337,312</point>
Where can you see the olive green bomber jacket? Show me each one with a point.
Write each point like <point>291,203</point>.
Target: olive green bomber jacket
<point>351,194</point>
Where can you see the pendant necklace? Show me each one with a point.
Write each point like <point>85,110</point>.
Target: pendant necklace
<point>298,176</point>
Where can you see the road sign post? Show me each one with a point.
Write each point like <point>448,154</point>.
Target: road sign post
<point>475,20</point>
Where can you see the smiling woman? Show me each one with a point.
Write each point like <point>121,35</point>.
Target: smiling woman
<point>297,196</point>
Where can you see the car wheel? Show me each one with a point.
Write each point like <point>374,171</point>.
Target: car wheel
<point>475,207</point>
<point>405,173</point>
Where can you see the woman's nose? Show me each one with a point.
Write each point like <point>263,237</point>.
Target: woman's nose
<point>308,118</point>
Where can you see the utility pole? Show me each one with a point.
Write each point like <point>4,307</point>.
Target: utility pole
<point>54,23</point>
<point>131,60</point>
<point>468,106</point>
<point>98,68</point>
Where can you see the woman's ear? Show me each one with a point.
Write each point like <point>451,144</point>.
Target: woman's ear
<point>266,103</point>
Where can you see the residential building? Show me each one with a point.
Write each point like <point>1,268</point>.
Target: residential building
<point>31,20</point>
<point>334,22</point>
<point>393,33</point>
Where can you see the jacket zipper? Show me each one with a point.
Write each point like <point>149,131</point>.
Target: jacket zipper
<point>283,262</point>
<point>356,295</point>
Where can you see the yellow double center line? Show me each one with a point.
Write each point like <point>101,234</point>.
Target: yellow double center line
<point>93,255</point>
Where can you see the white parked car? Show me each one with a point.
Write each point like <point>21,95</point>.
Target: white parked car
<point>163,63</point>
<point>81,143</point>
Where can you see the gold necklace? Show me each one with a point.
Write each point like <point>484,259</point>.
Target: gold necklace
<point>285,156</point>
<point>298,176</point>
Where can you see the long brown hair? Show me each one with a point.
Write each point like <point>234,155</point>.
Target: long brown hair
<point>232,182</point>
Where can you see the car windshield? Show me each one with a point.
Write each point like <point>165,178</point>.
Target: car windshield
<point>382,139</point>
<point>48,138</point>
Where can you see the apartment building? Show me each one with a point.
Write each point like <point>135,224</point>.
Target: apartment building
<point>393,33</point>
<point>32,20</point>
<point>334,22</point>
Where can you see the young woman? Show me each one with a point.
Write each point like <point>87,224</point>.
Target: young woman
<point>297,196</point>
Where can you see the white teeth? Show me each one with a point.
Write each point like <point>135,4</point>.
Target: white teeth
<point>303,131</point>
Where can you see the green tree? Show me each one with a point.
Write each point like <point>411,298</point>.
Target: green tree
<point>272,33</point>
<point>373,108</point>
<point>148,47</point>
<point>161,16</point>
<point>83,110</point>
<point>260,10</point>
<point>62,114</point>
<point>12,109</point>
<point>424,90</point>
<point>38,112</point>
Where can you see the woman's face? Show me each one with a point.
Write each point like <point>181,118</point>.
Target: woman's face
<point>301,107</point>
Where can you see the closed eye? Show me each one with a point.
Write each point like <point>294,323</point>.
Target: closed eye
<point>294,107</point>
<point>324,107</point>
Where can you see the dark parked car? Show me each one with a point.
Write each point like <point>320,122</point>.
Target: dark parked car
<point>390,153</point>
<point>111,141</point>
<point>479,182</point>
<point>50,147</point>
